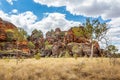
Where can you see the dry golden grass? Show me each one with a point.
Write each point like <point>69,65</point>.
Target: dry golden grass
<point>60,69</point>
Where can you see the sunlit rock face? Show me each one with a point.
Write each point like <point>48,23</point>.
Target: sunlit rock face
<point>4,27</point>
<point>2,35</point>
<point>55,36</point>
<point>75,35</point>
<point>69,36</point>
<point>83,49</point>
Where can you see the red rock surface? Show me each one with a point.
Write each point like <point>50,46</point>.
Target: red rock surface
<point>5,25</point>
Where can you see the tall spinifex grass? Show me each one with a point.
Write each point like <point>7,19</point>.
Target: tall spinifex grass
<point>59,69</point>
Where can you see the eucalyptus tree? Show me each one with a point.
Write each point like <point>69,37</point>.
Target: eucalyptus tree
<point>20,34</point>
<point>112,49</point>
<point>37,38</point>
<point>31,45</point>
<point>23,33</point>
<point>9,35</point>
<point>95,31</point>
<point>36,34</point>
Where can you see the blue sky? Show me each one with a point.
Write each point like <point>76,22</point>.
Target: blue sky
<point>50,14</point>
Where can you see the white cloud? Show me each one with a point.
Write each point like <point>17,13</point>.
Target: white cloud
<point>11,1</point>
<point>94,8</point>
<point>14,11</point>
<point>55,20</point>
<point>27,20</point>
<point>56,3</point>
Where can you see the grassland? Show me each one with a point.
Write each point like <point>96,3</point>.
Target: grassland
<point>60,69</point>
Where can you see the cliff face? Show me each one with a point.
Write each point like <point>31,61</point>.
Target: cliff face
<point>4,27</point>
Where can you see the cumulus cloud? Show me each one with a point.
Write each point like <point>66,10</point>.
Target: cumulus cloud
<point>55,20</point>
<point>11,1</point>
<point>14,11</point>
<point>56,3</point>
<point>27,20</point>
<point>94,8</point>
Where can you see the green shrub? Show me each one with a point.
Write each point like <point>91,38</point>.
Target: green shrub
<point>37,56</point>
<point>75,56</point>
<point>31,45</point>
<point>48,46</point>
<point>75,48</point>
<point>67,55</point>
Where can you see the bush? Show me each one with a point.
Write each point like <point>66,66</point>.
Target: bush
<point>48,46</point>
<point>10,35</point>
<point>31,45</point>
<point>75,56</point>
<point>37,56</point>
<point>67,55</point>
<point>75,48</point>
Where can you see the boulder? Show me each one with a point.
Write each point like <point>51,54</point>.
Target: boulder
<point>58,49</point>
<point>46,52</point>
<point>69,36</point>
<point>82,49</point>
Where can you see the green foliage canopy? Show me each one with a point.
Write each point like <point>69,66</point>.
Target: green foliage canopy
<point>112,49</point>
<point>31,45</point>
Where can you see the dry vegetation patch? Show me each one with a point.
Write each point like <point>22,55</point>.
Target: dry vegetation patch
<point>60,69</point>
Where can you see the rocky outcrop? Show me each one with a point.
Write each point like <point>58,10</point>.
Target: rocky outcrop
<point>72,35</point>
<point>22,45</point>
<point>8,39</point>
<point>37,38</point>
<point>75,35</point>
<point>55,36</point>
<point>61,42</point>
<point>71,41</point>
<point>83,49</point>
<point>58,49</point>
<point>69,36</point>
<point>4,27</point>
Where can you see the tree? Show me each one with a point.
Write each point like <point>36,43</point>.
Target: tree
<point>18,35</point>
<point>10,35</point>
<point>31,45</point>
<point>37,38</point>
<point>95,31</point>
<point>112,49</point>
<point>37,34</point>
<point>23,33</point>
